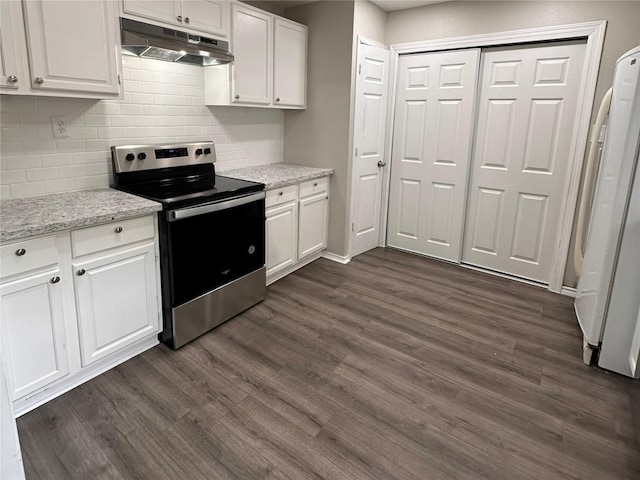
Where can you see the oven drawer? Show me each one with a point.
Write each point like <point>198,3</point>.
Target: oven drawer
<point>311,187</point>
<point>110,235</point>
<point>20,257</point>
<point>279,196</point>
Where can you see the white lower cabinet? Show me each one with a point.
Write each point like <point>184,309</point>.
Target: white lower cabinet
<point>33,331</point>
<point>116,301</point>
<point>312,229</point>
<point>75,304</point>
<point>282,223</point>
<point>297,224</point>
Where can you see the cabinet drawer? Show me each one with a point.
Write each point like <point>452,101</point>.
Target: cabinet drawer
<point>28,255</point>
<point>279,196</point>
<point>316,185</point>
<point>110,235</point>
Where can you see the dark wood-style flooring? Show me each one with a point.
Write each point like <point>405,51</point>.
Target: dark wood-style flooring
<point>391,367</point>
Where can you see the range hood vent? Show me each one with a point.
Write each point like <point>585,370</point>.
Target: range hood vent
<point>160,43</point>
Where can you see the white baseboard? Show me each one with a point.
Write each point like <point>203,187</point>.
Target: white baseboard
<point>337,258</point>
<point>568,292</point>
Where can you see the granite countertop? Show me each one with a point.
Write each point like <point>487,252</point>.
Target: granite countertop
<point>277,175</point>
<point>25,217</point>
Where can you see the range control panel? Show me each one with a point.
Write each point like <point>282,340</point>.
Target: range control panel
<point>135,158</point>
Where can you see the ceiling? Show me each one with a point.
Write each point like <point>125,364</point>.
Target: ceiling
<point>387,5</point>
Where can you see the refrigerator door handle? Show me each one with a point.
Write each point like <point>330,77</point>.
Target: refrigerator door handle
<point>586,199</point>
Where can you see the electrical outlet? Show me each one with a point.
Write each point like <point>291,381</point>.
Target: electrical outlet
<point>60,127</point>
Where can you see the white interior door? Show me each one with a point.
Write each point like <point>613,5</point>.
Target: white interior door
<point>526,120</point>
<point>369,136</point>
<point>431,148</point>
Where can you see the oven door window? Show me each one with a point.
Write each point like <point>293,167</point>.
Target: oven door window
<point>207,251</point>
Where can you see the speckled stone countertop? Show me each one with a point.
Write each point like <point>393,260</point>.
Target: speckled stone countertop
<point>277,175</point>
<point>25,217</point>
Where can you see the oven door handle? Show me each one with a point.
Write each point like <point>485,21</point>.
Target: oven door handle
<point>174,215</point>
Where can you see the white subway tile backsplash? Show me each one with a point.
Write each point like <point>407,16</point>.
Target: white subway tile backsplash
<point>162,103</point>
<point>30,189</point>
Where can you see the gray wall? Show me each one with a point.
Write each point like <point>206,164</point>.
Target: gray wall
<point>453,19</point>
<point>320,135</point>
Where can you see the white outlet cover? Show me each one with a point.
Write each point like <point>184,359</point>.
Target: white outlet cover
<point>60,127</point>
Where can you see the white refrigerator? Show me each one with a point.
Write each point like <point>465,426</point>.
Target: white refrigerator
<point>607,300</point>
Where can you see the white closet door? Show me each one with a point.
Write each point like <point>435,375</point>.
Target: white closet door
<point>527,108</point>
<point>431,144</point>
<point>370,132</point>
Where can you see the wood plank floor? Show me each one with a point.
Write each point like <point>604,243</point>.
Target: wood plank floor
<point>391,367</point>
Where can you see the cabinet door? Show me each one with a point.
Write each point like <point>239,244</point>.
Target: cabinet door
<point>281,237</point>
<point>73,45</point>
<point>168,11</point>
<point>33,332</point>
<point>12,51</point>
<point>252,68</point>
<point>116,301</point>
<point>290,64</point>
<point>312,230</point>
<point>208,16</point>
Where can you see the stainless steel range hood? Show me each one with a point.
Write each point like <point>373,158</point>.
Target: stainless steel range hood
<point>160,43</point>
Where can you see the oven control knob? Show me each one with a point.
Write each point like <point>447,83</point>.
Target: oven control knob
<point>252,250</point>
<point>207,151</point>
<point>130,157</point>
<point>199,151</point>
<point>142,156</point>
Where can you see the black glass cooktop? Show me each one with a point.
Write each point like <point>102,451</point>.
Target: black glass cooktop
<point>184,187</point>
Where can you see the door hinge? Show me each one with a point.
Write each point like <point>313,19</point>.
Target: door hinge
<point>359,69</point>
<point>353,227</point>
<point>119,79</point>
<point>356,151</point>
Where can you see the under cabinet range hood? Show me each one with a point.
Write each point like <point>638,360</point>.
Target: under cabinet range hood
<point>160,43</point>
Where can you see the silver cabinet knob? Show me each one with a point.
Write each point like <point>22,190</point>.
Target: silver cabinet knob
<point>186,20</point>
<point>55,279</point>
<point>118,230</point>
<point>179,17</point>
<point>382,164</point>
<point>12,79</point>
<point>237,96</point>
<point>278,99</point>
<point>81,272</point>
<point>280,193</point>
<point>39,80</point>
<point>315,184</point>
<point>20,252</point>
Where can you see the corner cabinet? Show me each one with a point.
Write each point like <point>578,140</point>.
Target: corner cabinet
<point>76,304</point>
<point>270,66</point>
<point>68,49</point>
<point>297,224</point>
<point>209,17</point>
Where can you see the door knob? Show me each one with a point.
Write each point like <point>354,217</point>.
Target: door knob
<point>20,252</point>
<point>81,272</point>
<point>382,164</point>
<point>39,80</point>
<point>179,18</point>
<point>12,79</point>
<point>186,20</point>
<point>55,279</point>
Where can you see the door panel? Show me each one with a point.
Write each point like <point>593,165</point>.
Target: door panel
<point>370,133</point>
<point>431,147</point>
<point>526,112</point>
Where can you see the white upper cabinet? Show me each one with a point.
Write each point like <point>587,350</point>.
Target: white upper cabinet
<point>204,16</point>
<point>289,63</point>
<point>12,48</point>
<point>270,66</point>
<point>73,48</point>
<point>252,37</point>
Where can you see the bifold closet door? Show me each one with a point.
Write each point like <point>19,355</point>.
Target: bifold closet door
<point>526,120</point>
<point>431,148</point>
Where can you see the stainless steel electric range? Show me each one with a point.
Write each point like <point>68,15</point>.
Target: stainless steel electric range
<point>212,234</point>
